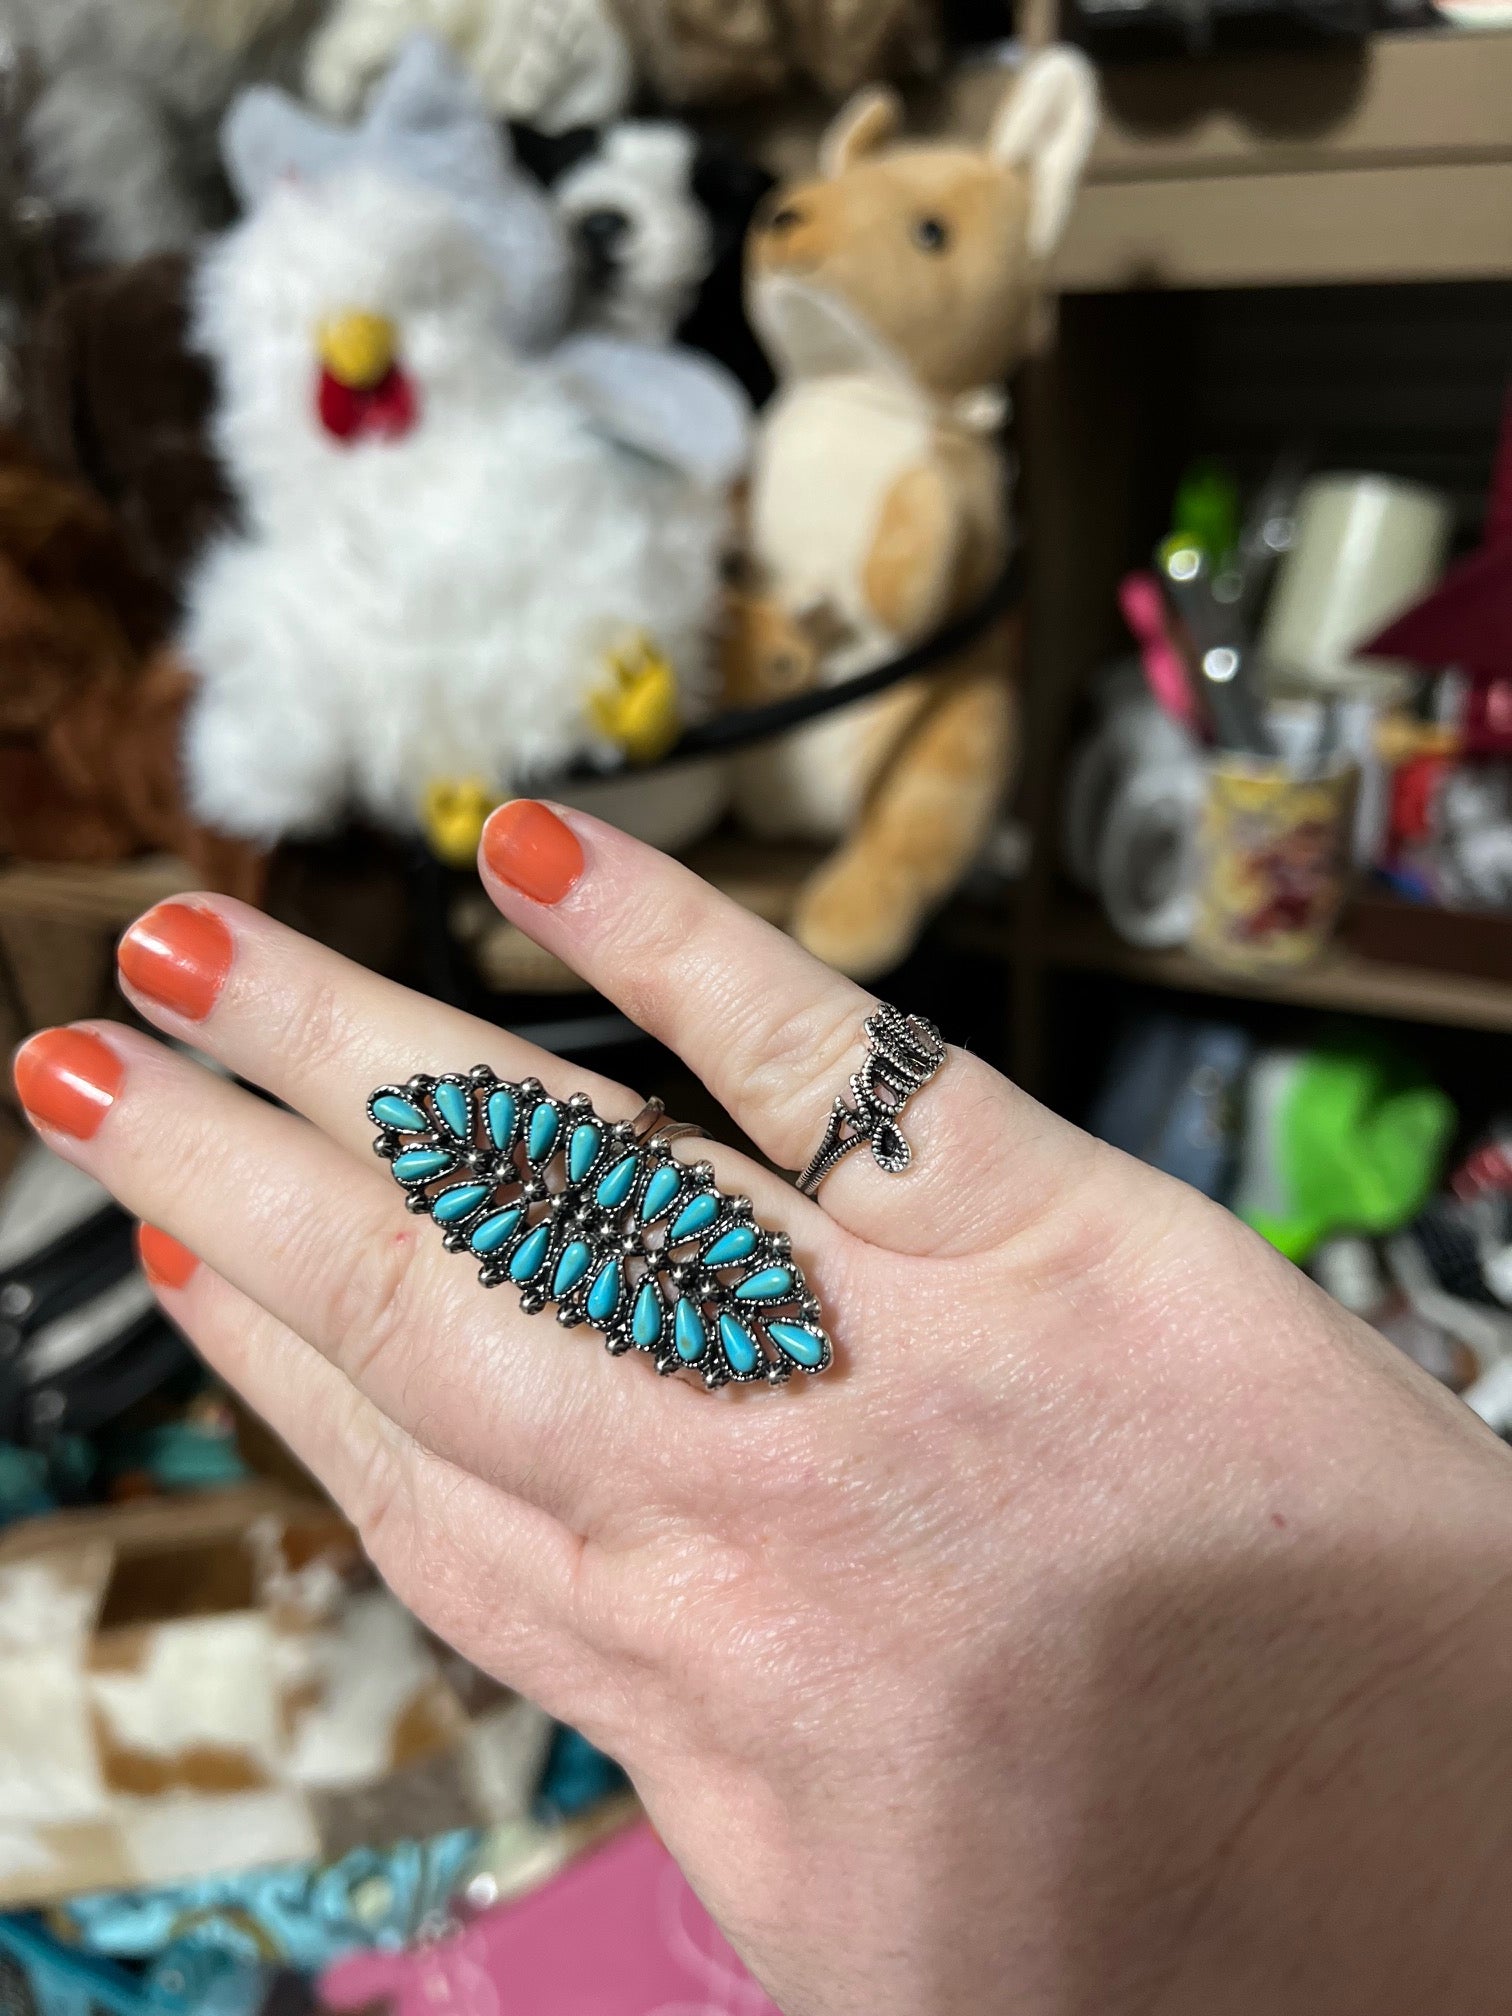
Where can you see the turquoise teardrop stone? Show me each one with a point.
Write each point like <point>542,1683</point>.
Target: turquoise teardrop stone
<point>646,1322</point>
<point>494,1231</point>
<point>770,1285</point>
<point>455,1108</point>
<point>574,1264</point>
<point>739,1243</point>
<point>530,1254</point>
<point>418,1165</point>
<point>604,1295</point>
<point>503,1113</point>
<point>739,1345</point>
<point>660,1191</point>
<point>544,1123</point>
<point>458,1202</point>
<point>801,1345</point>
<point>688,1332</point>
<point>582,1150</point>
<point>696,1216</point>
<point>616,1186</point>
<point>391,1111</point>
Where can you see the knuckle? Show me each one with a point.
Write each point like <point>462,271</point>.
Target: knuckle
<point>659,946</point>
<point>791,1068</point>
<point>313,1028</point>
<point>369,1308</point>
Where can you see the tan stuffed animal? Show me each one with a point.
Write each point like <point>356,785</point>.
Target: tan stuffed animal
<point>894,295</point>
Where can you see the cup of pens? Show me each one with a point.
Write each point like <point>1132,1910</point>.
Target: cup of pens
<point>1276,826</point>
<point>1273,859</point>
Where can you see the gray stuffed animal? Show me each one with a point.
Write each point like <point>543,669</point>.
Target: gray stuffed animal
<point>121,131</point>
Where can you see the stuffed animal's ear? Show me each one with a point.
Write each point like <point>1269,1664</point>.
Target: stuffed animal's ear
<point>1047,125</point>
<point>267,136</point>
<point>860,127</point>
<point>427,90</point>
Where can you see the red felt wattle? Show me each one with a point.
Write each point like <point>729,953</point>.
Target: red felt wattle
<point>382,412</point>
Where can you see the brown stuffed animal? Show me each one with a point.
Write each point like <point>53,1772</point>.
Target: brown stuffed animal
<point>894,295</point>
<point>91,706</point>
<point>119,399</point>
<point>696,52</point>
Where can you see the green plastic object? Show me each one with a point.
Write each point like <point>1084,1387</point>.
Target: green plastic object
<point>1207,510</point>
<point>1339,1139</point>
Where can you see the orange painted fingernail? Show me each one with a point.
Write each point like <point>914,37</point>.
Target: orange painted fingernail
<point>165,1262</point>
<point>179,957</point>
<point>526,845</point>
<point>68,1079</point>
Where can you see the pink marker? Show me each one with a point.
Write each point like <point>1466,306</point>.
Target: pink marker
<point>1145,612</point>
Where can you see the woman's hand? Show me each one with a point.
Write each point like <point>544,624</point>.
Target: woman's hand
<point>1116,1628</point>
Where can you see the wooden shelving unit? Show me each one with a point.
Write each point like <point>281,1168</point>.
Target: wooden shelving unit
<point>1080,940</point>
<point>1391,162</point>
<point>102,898</point>
<point>1388,162</point>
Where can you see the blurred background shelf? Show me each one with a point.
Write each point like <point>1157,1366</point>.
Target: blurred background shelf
<point>106,898</point>
<point>1390,160</point>
<point>1082,941</point>
<point>1075,938</point>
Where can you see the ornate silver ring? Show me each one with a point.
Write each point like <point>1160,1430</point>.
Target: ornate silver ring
<point>904,1052</point>
<point>598,1217</point>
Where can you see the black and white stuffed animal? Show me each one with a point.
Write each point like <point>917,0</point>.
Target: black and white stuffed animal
<point>658,218</point>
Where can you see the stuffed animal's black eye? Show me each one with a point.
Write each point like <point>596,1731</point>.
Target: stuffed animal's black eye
<point>788,218</point>
<point>931,234</point>
<point>604,228</point>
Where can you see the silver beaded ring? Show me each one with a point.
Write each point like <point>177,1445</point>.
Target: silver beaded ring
<point>599,1218</point>
<point>904,1052</point>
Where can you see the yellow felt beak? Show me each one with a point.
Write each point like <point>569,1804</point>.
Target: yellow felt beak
<point>358,349</point>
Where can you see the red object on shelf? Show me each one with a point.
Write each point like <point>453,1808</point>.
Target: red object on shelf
<point>1466,621</point>
<point>1414,793</point>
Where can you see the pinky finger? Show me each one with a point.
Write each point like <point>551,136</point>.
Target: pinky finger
<point>494,1577</point>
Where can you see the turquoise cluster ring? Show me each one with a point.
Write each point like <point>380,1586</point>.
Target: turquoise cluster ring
<point>600,1219</point>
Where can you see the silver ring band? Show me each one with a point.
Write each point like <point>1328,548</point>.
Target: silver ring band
<point>904,1052</point>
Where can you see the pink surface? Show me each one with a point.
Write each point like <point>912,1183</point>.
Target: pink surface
<point>619,1934</point>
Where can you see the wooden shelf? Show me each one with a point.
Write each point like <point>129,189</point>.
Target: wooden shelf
<point>1389,160</point>
<point>1081,941</point>
<point>106,898</point>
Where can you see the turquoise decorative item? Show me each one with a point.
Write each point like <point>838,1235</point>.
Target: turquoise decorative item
<point>688,1332</point>
<point>694,1218</point>
<point>530,1255</point>
<point>454,1104</point>
<point>569,1208</point>
<point>772,1284</point>
<point>503,1111</point>
<point>582,1150</point>
<point>459,1202</point>
<point>605,1294</point>
<point>489,1236</point>
<point>545,1125</point>
<point>661,1193</point>
<point>646,1325</point>
<point>739,1345</point>
<point>400,1113</point>
<point>617,1185</point>
<point>574,1264</point>
<point>739,1243</point>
